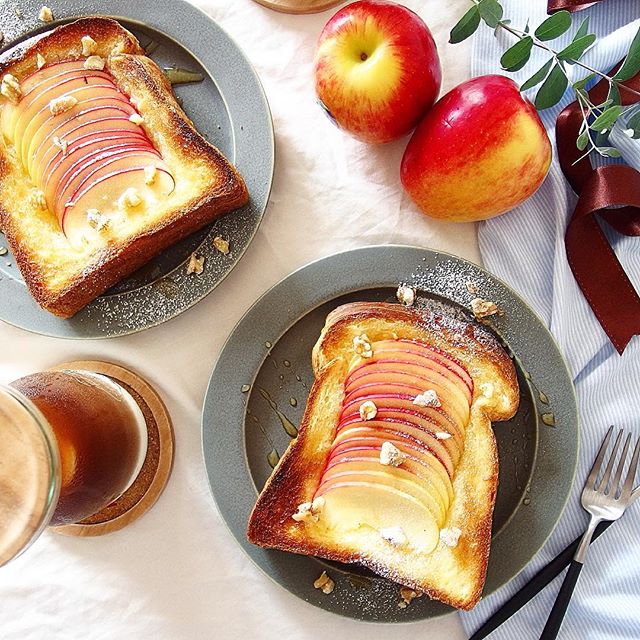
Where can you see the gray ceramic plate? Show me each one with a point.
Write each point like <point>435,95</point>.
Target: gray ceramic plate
<point>258,390</point>
<point>229,108</point>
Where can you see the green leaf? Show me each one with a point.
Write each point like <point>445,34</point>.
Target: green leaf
<point>582,141</point>
<point>606,119</point>
<point>580,85</point>
<point>538,76</point>
<point>609,152</point>
<point>526,26</point>
<point>631,64</point>
<point>583,29</point>
<point>574,50</point>
<point>491,12</point>
<point>515,57</point>
<point>466,26</point>
<point>552,88</point>
<point>613,97</point>
<point>554,26</point>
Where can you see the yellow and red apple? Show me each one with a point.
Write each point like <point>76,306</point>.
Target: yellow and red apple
<point>376,70</point>
<point>480,151</point>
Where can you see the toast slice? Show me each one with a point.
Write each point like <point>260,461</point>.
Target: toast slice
<point>100,168</point>
<point>420,511</point>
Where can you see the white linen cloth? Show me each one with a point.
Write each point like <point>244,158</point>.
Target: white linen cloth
<point>526,248</point>
<point>177,573</point>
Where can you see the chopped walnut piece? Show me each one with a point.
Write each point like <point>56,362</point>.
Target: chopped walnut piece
<point>309,511</point>
<point>150,174</point>
<point>89,46</point>
<point>394,536</point>
<point>368,410</point>
<point>94,62</point>
<point>221,245</point>
<point>62,104</point>
<point>390,455</point>
<point>10,88</point>
<point>428,398</point>
<point>45,15</point>
<point>196,264</point>
<point>406,295</point>
<point>37,200</point>
<point>443,435</point>
<point>96,220</point>
<point>449,536</point>
<point>471,287</point>
<point>482,308</point>
<point>61,144</point>
<point>136,118</point>
<point>325,583</point>
<point>408,595</point>
<point>40,60</point>
<point>130,199</point>
<point>362,346</point>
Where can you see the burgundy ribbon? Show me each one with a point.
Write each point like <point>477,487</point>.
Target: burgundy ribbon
<point>613,193</point>
<point>569,5</point>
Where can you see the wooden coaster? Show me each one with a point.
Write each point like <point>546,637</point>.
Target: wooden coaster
<point>156,469</point>
<point>299,6</point>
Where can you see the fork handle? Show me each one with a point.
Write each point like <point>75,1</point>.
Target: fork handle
<point>562,602</point>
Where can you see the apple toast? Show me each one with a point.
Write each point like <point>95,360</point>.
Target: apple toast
<point>395,466</point>
<point>100,168</point>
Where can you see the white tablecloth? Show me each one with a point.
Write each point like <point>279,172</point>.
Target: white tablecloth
<point>177,572</point>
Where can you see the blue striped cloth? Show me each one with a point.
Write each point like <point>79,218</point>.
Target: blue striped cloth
<point>526,248</point>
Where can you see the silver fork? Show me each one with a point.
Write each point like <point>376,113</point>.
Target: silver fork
<point>603,500</point>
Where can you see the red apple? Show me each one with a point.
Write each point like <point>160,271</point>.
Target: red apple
<point>481,151</point>
<point>376,70</point>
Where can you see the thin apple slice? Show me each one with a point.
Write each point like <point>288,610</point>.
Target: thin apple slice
<point>413,451</point>
<point>390,430</point>
<point>455,366</point>
<point>103,191</point>
<point>352,505</point>
<point>424,474</point>
<point>35,80</point>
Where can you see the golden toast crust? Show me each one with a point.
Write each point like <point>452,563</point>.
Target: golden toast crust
<point>59,280</point>
<point>454,575</point>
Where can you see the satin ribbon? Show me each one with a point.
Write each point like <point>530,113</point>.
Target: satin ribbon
<point>569,5</point>
<point>613,193</point>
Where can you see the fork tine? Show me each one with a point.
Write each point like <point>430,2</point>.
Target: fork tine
<point>595,469</point>
<point>615,483</point>
<point>631,474</point>
<point>607,473</point>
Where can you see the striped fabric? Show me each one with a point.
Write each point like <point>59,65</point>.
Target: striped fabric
<point>526,248</point>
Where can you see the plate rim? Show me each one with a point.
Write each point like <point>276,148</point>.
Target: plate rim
<point>575,424</point>
<point>79,327</point>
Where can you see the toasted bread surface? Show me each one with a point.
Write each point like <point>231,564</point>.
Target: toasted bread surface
<point>453,574</point>
<point>64,277</point>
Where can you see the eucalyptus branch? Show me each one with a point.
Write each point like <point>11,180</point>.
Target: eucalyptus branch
<point>552,78</point>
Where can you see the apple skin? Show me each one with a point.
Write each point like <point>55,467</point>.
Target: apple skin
<point>382,97</point>
<point>480,151</point>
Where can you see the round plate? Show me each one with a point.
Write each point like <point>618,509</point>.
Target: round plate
<point>299,6</point>
<point>258,390</point>
<point>229,109</point>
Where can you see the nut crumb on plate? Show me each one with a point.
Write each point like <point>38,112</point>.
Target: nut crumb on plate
<point>368,410</point>
<point>483,308</point>
<point>221,245</point>
<point>428,398</point>
<point>390,455</point>
<point>325,583</point>
<point>196,264</point>
<point>471,287</point>
<point>406,295</point>
<point>408,595</point>
<point>45,15</point>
